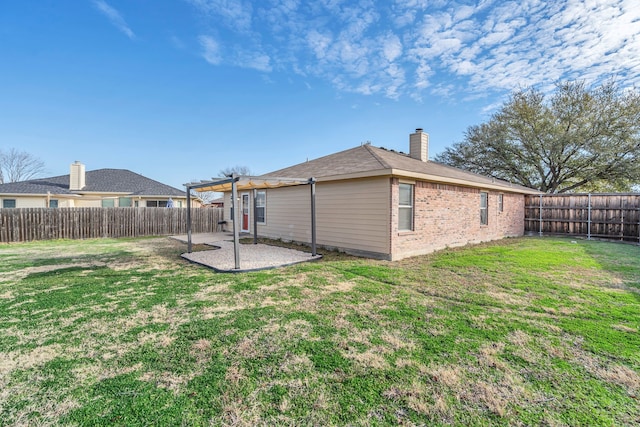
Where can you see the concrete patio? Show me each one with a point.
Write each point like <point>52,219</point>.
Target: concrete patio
<point>252,257</point>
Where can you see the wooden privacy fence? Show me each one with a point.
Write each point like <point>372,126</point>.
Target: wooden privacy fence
<point>604,216</point>
<point>26,224</point>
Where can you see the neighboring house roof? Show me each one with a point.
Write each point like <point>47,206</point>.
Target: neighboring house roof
<point>367,160</point>
<point>97,181</point>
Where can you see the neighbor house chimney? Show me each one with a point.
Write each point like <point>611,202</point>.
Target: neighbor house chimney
<point>419,145</point>
<point>76,177</point>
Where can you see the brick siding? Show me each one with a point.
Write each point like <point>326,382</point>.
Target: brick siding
<point>447,216</point>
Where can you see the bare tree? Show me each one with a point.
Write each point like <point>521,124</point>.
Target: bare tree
<point>209,196</point>
<point>237,169</point>
<point>19,166</point>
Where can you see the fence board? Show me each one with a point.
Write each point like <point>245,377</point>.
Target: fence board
<point>28,224</point>
<point>608,216</point>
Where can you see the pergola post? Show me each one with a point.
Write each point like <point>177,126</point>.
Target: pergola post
<point>236,233</point>
<point>312,181</point>
<point>255,216</point>
<point>188,219</point>
<point>233,180</point>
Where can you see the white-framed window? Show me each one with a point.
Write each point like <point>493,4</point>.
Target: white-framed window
<point>53,203</point>
<point>8,203</point>
<point>108,203</point>
<point>124,202</point>
<point>500,202</point>
<point>405,207</point>
<point>261,207</point>
<point>484,208</point>
<point>156,203</point>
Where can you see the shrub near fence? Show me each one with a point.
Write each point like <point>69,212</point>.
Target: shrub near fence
<point>605,216</point>
<point>27,224</point>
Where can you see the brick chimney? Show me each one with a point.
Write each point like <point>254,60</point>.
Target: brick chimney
<point>419,145</point>
<point>76,176</point>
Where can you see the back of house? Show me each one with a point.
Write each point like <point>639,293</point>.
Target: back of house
<point>385,204</point>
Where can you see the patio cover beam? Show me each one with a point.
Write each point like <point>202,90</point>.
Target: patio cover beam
<point>247,183</point>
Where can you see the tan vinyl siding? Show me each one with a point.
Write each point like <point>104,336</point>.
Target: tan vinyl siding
<point>288,214</point>
<point>88,203</point>
<point>350,215</point>
<point>227,210</point>
<point>26,202</point>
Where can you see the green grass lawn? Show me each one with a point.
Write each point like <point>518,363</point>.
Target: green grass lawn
<point>124,332</point>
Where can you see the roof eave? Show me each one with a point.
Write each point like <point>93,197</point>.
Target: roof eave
<point>99,193</point>
<point>428,177</point>
<point>67,195</point>
<point>463,182</point>
<point>158,196</point>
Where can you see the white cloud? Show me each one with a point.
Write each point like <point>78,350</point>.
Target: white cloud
<point>212,53</point>
<point>236,14</point>
<point>463,12</point>
<point>114,17</point>
<point>257,61</point>
<point>319,43</point>
<point>457,48</point>
<point>210,50</point>
<point>391,47</point>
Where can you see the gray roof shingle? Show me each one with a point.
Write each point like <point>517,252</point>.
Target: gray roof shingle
<point>367,158</point>
<point>100,180</point>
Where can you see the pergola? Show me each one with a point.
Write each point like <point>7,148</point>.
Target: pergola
<point>235,183</point>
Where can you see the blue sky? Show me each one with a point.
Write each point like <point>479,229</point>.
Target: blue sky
<point>177,90</point>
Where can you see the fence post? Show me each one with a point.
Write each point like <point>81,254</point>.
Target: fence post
<point>638,210</point>
<point>540,225</point>
<point>589,219</point>
<point>621,218</point>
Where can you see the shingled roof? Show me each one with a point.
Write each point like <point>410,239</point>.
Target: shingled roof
<point>367,160</point>
<point>97,181</point>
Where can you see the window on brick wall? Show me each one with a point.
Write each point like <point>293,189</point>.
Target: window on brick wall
<point>405,207</point>
<point>484,208</point>
<point>500,202</point>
